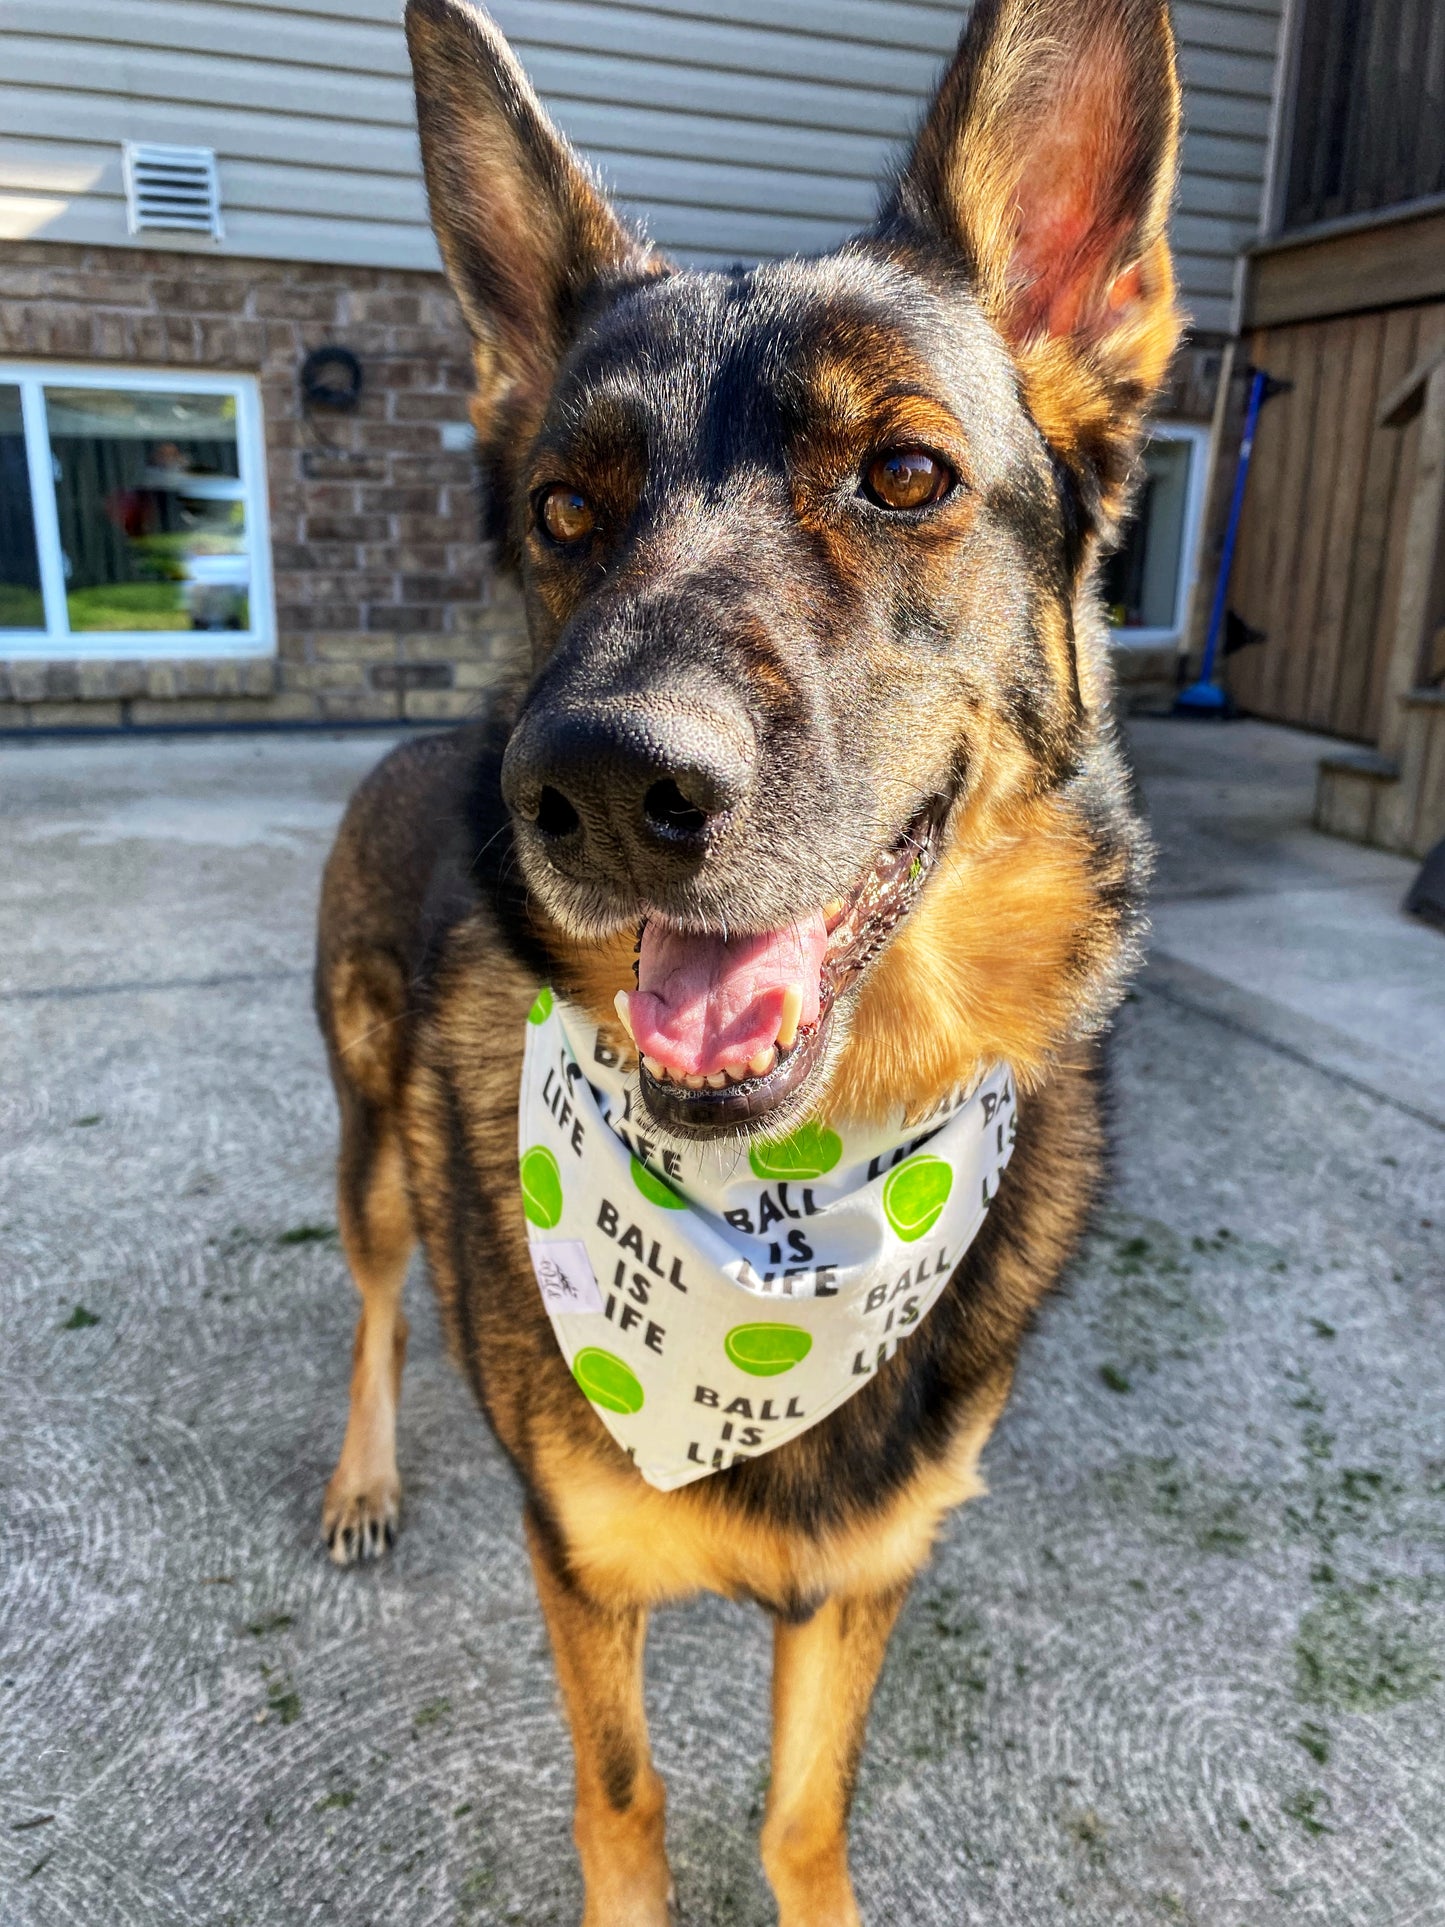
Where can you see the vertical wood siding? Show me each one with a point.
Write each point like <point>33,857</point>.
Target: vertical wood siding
<point>733,129</point>
<point>1325,515</point>
<point>1369,112</point>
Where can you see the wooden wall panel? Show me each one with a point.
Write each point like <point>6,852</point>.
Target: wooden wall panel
<point>1321,539</point>
<point>1367,124</point>
<point>1394,261</point>
<point>1355,694</point>
<point>1429,823</point>
<point>1340,528</point>
<point>1429,332</point>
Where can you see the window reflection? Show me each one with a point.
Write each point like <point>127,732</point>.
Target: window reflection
<point>150,505</point>
<point>1141,581</point>
<point>21,605</point>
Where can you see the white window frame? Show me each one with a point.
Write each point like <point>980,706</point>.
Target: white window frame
<point>56,642</point>
<point>1199,434</point>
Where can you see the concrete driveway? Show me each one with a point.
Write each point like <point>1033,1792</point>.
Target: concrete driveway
<point>1183,1665</point>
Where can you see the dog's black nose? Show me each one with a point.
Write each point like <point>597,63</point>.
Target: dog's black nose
<point>653,771</point>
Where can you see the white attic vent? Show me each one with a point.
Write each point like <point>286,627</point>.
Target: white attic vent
<point>171,187</point>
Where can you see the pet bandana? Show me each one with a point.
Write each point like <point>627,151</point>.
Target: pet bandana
<point>715,1299</point>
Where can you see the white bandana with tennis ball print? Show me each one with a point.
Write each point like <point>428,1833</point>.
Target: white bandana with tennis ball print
<point>715,1300</point>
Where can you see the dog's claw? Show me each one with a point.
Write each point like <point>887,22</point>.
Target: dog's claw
<point>359,1526</point>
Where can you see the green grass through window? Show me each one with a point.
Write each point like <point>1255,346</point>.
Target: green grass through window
<point>21,608</point>
<point>128,605</point>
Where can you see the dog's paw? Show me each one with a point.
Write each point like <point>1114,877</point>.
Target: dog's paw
<point>360,1523</point>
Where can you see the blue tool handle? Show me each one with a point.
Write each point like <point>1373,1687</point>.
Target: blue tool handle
<point>1226,559</point>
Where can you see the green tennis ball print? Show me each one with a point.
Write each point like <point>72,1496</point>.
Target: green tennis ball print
<point>914,1195</point>
<point>808,1152</point>
<point>654,1189</point>
<point>541,1187</point>
<point>767,1350</point>
<point>541,1007</point>
<point>606,1380</point>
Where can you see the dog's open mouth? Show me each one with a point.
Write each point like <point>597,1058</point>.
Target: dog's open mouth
<point>730,1027</point>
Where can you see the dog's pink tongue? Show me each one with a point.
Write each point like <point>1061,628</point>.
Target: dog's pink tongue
<point>702,1002</point>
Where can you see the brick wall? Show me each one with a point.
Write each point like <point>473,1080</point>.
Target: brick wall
<point>385,607</point>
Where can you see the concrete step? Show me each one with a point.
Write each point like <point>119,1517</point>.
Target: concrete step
<point>1394,803</point>
<point>1347,792</point>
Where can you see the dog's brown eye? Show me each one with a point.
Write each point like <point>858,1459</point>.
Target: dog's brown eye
<point>907,478</point>
<point>566,515</point>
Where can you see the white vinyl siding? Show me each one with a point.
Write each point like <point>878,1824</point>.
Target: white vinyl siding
<point>732,129</point>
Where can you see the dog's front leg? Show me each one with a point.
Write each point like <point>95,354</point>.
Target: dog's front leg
<point>359,1512</point>
<point>619,1817</point>
<point>824,1671</point>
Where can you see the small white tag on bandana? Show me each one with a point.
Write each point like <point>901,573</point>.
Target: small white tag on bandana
<point>715,1299</point>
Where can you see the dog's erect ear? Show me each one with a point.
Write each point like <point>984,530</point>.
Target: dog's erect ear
<point>523,231</point>
<point>1048,161</point>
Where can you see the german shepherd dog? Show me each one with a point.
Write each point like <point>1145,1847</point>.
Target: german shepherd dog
<point>809,555</point>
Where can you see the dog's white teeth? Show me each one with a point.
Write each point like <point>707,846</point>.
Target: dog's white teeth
<point>621,1003</point>
<point>732,1073</point>
<point>792,1011</point>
